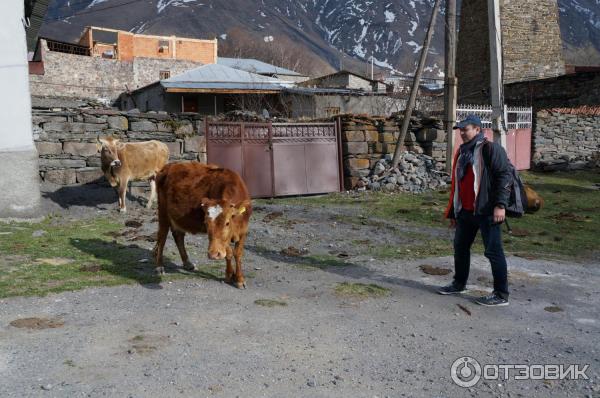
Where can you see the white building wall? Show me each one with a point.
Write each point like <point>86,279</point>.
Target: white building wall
<point>19,176</point>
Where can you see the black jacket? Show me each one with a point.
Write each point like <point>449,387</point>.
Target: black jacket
<point>494,180</point>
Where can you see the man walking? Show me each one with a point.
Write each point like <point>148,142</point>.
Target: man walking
<point>479,195</point>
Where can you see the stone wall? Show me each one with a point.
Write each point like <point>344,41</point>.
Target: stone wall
<point>532,45</point>
<point>70,75</point>
<point>66,139</point>
<point>567,139</point>
<point>366,140</point>
<point>567,91</point>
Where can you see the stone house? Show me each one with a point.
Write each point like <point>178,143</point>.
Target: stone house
<point>208,90</point>
<point>347,80</point>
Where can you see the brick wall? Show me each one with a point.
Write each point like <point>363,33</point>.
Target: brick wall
<point>366,140</point>
<point>66,139</point>
<point>69,75</point>
<point>532,45</point>
<point>566,139</point>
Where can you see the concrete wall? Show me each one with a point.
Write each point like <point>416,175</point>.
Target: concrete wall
<point>567,139</point>
<point>532,45</point>
<point>66,139</point>
<point>20,193</point>
<point>69,75</point>
<point>357,83</point>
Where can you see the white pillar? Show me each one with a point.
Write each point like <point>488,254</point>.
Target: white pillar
<point>19,173</point>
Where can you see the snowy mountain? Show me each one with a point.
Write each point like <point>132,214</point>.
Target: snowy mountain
<point>326,32</point>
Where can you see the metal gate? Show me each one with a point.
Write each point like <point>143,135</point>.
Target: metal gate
<point>518,136</point>
<point>277,159</point>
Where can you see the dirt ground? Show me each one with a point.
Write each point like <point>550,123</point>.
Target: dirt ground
<point>304,327</point>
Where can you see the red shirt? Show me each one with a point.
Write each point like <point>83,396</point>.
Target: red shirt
<point>466,190</point>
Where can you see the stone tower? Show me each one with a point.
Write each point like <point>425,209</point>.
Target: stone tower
<point>531,45</point>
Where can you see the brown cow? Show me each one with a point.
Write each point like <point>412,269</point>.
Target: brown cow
<point>130,161</point>
<point>199,198</point>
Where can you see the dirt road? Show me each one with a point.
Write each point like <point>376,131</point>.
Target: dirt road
<point>304,327</point>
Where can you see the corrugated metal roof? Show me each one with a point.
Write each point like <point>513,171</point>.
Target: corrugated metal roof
<point>256,66</point>
<point>214,76</point>
<point>39,8</point>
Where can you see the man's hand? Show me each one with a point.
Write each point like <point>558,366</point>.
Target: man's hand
<point>452,223</point>
<point>499,214</point>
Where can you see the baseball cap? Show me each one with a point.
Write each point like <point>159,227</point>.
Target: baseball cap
<point>470,119</point>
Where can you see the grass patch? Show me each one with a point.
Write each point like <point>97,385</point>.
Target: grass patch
<point>72,255</point>
<point>270,303</point>
<point>566,228</point>
<point>361,290</point>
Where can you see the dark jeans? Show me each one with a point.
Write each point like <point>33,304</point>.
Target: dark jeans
<point>467,226</point>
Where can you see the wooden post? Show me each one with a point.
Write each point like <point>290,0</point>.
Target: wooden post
<point>415,86</point>
<point>451,81</point>
<point>496,78</point>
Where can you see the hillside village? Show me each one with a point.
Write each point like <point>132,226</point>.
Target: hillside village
<point>284,199</point>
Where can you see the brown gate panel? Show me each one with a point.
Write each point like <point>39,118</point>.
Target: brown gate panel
<point>224,145</point>
<point>315,158</point>
<point>278,159</point>
<point>258,172</point>
<point>320,166</point>
<point>290,169</point>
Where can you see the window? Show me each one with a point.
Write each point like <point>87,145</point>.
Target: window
<point>332,111</point>
<point>190,104</point>
<point>163,46</point>
<point>164,74</point>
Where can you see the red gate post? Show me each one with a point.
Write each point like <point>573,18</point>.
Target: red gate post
<point>270,148</point>
<point>338,134</point>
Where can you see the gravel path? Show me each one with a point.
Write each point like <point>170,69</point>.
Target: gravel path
<point>203,338</point>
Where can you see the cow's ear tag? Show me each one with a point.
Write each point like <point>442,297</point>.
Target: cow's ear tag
<point>242,210</point>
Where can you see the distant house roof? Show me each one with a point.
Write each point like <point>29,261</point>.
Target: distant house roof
<point>221,78</point>
<point>256,66</point>
<point>339,73</point>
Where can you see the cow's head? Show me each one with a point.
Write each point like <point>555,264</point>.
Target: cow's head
<point>109,157</point>
<point>219,216</point>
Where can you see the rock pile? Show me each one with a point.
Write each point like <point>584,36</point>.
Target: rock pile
<point>414,173</point>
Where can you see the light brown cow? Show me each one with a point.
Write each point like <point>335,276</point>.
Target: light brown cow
<point>199,198</point>
<point>122,162</point>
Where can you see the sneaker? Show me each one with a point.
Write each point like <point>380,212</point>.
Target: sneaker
<point>493,300</point>
<point>451,289</point>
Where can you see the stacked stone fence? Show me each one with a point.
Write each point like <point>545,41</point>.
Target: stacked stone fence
<point>66,139</point>
<point>567,139</point>
<point>366,140</point>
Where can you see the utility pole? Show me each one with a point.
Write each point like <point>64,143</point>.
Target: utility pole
<point>451,81</point>
<point>372,74</point>
<point>415,86</point>
<point>496,78</point>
